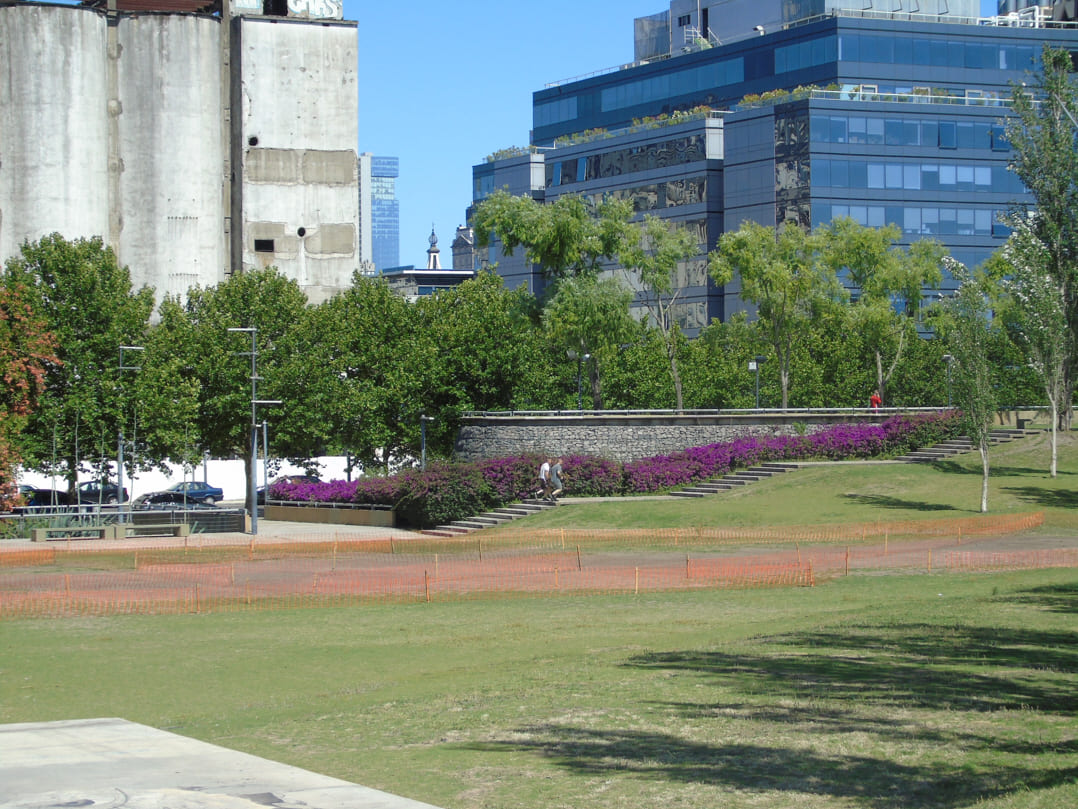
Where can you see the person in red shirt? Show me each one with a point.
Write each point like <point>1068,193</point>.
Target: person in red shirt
<point>874,401</point>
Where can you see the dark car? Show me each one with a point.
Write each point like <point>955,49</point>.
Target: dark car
<point>198,490</point>
<point>94,491</point>
<point>260,495</point>
<point>33,497</point>
<point>169,499</point>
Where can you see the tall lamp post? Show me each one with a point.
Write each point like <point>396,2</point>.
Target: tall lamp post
<point>423,419</point>
<point>947,358</point>
<point>120,438</point>
<point>580,360</point>
<point>754,365</point>
<point>252,474</point>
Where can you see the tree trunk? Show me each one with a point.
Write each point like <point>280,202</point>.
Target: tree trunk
<point>596,390</point>
<point>1053,404</point>
<point>671,352</point>
<point>984,473</point>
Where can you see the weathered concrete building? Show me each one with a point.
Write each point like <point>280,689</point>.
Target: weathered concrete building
<point>197,138</point>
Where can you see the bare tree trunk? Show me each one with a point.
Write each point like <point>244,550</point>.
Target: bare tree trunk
<point>671,352</point>
<point>984,473</point>
<point>1054,404</point>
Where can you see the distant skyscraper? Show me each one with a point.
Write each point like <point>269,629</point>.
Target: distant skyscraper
<point>379,211</point>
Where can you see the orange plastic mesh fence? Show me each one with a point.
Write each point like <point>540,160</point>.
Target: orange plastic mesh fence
<point>55,581</point>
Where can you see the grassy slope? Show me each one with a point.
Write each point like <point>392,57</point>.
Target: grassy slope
<point>876,692</point>
<point>1019,482</point>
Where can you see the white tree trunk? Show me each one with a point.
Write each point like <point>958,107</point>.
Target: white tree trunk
<point>984,474</point>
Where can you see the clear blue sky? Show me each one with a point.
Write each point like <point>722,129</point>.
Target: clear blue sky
<point>442,85</point>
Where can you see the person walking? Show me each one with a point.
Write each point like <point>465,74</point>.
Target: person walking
<point>544,480</point>
<point>555,480</point>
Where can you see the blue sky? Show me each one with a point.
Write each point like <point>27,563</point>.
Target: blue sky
<point>442,85</point>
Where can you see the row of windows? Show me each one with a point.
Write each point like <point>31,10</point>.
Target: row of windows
<point>914,176</point>
<point>907,132</point>
<point>674,152</point>
<point>555,112</point>
<point>885,49</point>
<point>916,220</point>
<point>670,85</point>
<point>808,53</point>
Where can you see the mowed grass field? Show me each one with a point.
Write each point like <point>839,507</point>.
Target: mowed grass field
<point>874,691</point>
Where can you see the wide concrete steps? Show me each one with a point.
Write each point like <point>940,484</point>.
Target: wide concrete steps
<point>489,518</point>
<point>732,480</point>
<point>957,446</point>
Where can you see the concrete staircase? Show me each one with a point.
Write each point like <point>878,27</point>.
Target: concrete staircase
<point>956,446</point>
<point>489,518</point>
<point>729,481</point>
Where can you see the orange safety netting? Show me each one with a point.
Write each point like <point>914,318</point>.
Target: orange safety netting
<point>194,577</point>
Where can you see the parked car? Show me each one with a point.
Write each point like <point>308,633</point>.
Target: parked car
<point>33,497</point>
<point>260,494</point>
<point>198,490</point>
<point>94,491</point>
<point>169,499</point>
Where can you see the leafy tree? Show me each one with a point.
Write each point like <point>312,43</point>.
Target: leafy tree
<point>779,273</point>
<point>219,361</point>
<point>86,301</point>
<point>1034,313</point>
<point>1044,138</point>
<point>653,251</point>
<point>27,351</point>
<point>889,283</point>
<point>483,353</point>
<point>567,237</point>
<point>966,325</point>
<point>590,316</point>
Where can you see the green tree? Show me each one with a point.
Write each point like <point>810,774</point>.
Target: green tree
<point>350,362</point>
<point>781,274</point>
<point>965,323</point>
<point>87,303</point>
<point>1033,311</point>
<point>219,361</point>
<point>590,317</point>
<point>653,251</point>
<point>1044,139</point>
<point>889,283</point>
<point>567,237</point>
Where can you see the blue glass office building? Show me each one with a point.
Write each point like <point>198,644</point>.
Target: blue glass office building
<point>890,118</point>
<point>385,212</point>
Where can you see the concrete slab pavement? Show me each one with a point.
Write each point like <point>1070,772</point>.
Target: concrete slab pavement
<point>109,763</point>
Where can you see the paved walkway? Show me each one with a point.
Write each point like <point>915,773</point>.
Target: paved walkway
<point>111,763</point>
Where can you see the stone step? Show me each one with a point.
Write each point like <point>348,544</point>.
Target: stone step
<point>764,469</point>
<point>689,493</point>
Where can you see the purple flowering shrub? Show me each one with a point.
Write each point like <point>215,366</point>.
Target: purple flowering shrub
<point>449,491</point>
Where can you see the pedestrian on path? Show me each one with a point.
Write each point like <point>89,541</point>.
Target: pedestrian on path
<point>544,480</point>
<point>555,480</point>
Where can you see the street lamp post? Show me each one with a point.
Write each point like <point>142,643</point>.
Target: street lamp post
<point>947,358</point>
<point>423,419</point>
<point>120,438</point>
<point>252,473</point>
<point>580,360</point>
<point>754,365</point>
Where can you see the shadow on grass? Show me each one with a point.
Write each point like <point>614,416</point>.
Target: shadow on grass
<point>827,689</point>
<point>857,780</point>
<point>1056,598</point>
<point>883,501</point>
<point>955,468</point>
<point>1049,498</point>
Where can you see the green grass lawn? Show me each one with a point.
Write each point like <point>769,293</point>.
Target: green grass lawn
<point>848,493</point>
<point>872,691</point>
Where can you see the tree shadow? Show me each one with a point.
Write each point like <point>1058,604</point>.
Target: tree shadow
<point>1055,598</point>
<point>1053,498</point>
<point>831,687</point>
<point>868,781</point>
<point>955,468</point>
<point>883,501</point>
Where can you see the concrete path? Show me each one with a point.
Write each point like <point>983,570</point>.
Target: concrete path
<point>111,763</point>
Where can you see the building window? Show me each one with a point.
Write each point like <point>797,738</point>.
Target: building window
<point>684,20</point>
<point>263,245</point>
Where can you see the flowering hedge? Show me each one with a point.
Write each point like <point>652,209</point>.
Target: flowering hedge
<point>454,491</point>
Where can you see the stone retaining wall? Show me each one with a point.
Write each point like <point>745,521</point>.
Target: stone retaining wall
<point>628,435</point>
